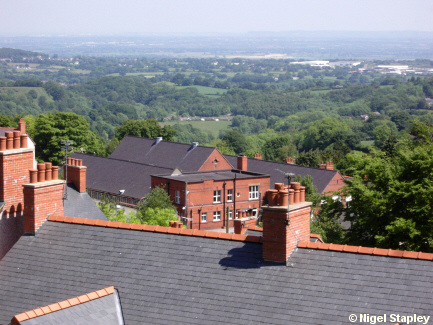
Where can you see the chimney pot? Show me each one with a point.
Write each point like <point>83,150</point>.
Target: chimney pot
<point>302,195</point>
<point>55,172</point>
<point>9,140</point>
<point>22,126</point>
<point>48,171</point>
<point>33,176</point>
<point>69,161</point>
<point>272,195</point>
<point>279,186</point>
<point>2,143</point>
<point>17,140</point>
<point>79,162</point>
<point>41,172</point>
<point>23,140</point>
<point>283,197</point>
<point>291,196</point>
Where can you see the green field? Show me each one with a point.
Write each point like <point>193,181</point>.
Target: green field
<point>213,127</point>
<point>208,91</point>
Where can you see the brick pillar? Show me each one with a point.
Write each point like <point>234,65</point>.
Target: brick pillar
<point>77,174</point>
<point>41,200</point>
<point>242,162</point>
<point>282,230</point>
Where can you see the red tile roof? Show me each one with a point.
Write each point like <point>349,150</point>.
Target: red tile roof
<point>61,305</point>
<point>366,250</point>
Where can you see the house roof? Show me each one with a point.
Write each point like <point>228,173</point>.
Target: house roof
<point>172,155</point>
<point>98,307</point>
<point>321,177</point>
<point>168,275</point>
<point>111,175</point>
<point>81,205</point>
<point>3,131</point>
<point>217,175</point>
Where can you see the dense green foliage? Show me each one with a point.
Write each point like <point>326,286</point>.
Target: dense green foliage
<point>156,208</point>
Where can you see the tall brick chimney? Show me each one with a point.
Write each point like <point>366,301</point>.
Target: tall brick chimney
<point>289,160</point>
<point>329,165</point>
<point>22,126</point>
<point>242,162</point>
<point>43,196</point>
<point>77,173</point>
<point>258,156</point>
<point>15,161</point>
<point>284,225</point>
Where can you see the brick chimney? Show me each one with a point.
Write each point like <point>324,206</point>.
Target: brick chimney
<point>322,165</point>
<point>43,196</point>
<point>329,165</point>
<point>15,162</point>
<point>289,160</point>
<point>77,173</point>
<point>258,156</point>
<point>286,221</point>
<point>242,162</point>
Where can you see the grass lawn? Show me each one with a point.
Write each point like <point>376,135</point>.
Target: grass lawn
<point>213,127</point>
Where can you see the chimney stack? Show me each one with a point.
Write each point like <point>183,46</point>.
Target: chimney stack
<point>286,221</point>
<point>77,173</point>
<point>289,161</point>
<point>242,162</point>
<point>329,165</point>
<point>258,156</point>
<point>43,196</point>
<point>322,165</point>
<point>22,126</point>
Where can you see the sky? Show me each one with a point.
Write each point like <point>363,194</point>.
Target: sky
<point>120,17</point>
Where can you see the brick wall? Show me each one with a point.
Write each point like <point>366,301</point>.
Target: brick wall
<point>215,161</point>
<point>282,230</point>
<point>40,201</point>
<point>77,173</point>
<point>335,184</point>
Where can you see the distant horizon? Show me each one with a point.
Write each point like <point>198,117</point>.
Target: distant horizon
<point>110,17</point>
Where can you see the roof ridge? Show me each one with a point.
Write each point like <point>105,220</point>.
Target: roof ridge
<point>123,160</point>
<point>41,311</point>
<point>160,229</point>
<point>185,144</point>
<point>366,250</point>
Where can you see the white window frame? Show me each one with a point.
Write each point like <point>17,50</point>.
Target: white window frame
<point>177,197</point>
<point>230,195</point>
<point>217,216</point>
<point>230,214</point>
<point>204,217</point>
<point>217,196</point>
<point>254,192</point>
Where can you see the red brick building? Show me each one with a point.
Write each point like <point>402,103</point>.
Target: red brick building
<point>205,200</point>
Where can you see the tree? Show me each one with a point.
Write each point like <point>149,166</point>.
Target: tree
<point>236,140</point>
<point>144,128</point>
<point>50,129</point>
<point>109,209</point>
<point>328,222</point>
<point>157,208</point>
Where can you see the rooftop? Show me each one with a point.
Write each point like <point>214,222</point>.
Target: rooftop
<point>171,275</point>
<point>217,175</point>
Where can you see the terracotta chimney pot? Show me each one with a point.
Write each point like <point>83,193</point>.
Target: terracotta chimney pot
<point>55,172</point>
<point>2,143</point>
<point>9,140</point>
<point>33,176</point>
<point>41,172</point>
<point>17,140</point>
<point>23,140</point>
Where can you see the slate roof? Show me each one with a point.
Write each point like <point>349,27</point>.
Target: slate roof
<point>216,175</point>
<point>81,205</point>
<point>166,278</point>
<point>3,131</point>
<point>164,154</point>
<point>100,307</point>
<point>321,177</point>
<point>111,175</point>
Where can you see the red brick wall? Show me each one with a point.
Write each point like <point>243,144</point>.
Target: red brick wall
<point>77,176</point>
<point>200,199</point>
<point>335,184</point>
<point>210,164</point>
<point>280,239</point>
<point>40,201</point>
<point>14,171</point>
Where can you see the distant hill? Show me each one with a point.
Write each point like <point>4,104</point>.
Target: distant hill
<point>9,53</point>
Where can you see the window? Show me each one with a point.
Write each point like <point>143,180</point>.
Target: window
<point>230,214</point>
<point>254,192</point>
<point>255,212</point>
<point>177,197</point>
<point>204,217</point>
<point>216,215</point>
<point>217,196</point>
<point>229,195</point>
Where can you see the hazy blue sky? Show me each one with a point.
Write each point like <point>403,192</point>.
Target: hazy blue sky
<point>54,17</point>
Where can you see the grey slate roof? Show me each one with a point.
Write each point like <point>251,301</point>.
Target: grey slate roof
<point>164,154</point>
<point>81,205</point>
<point>3,131</point>
<point>216,175</point>
<point>101,311</point>
<point>321,177</point>
<point>173,279</point>
<point>111,175</point>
